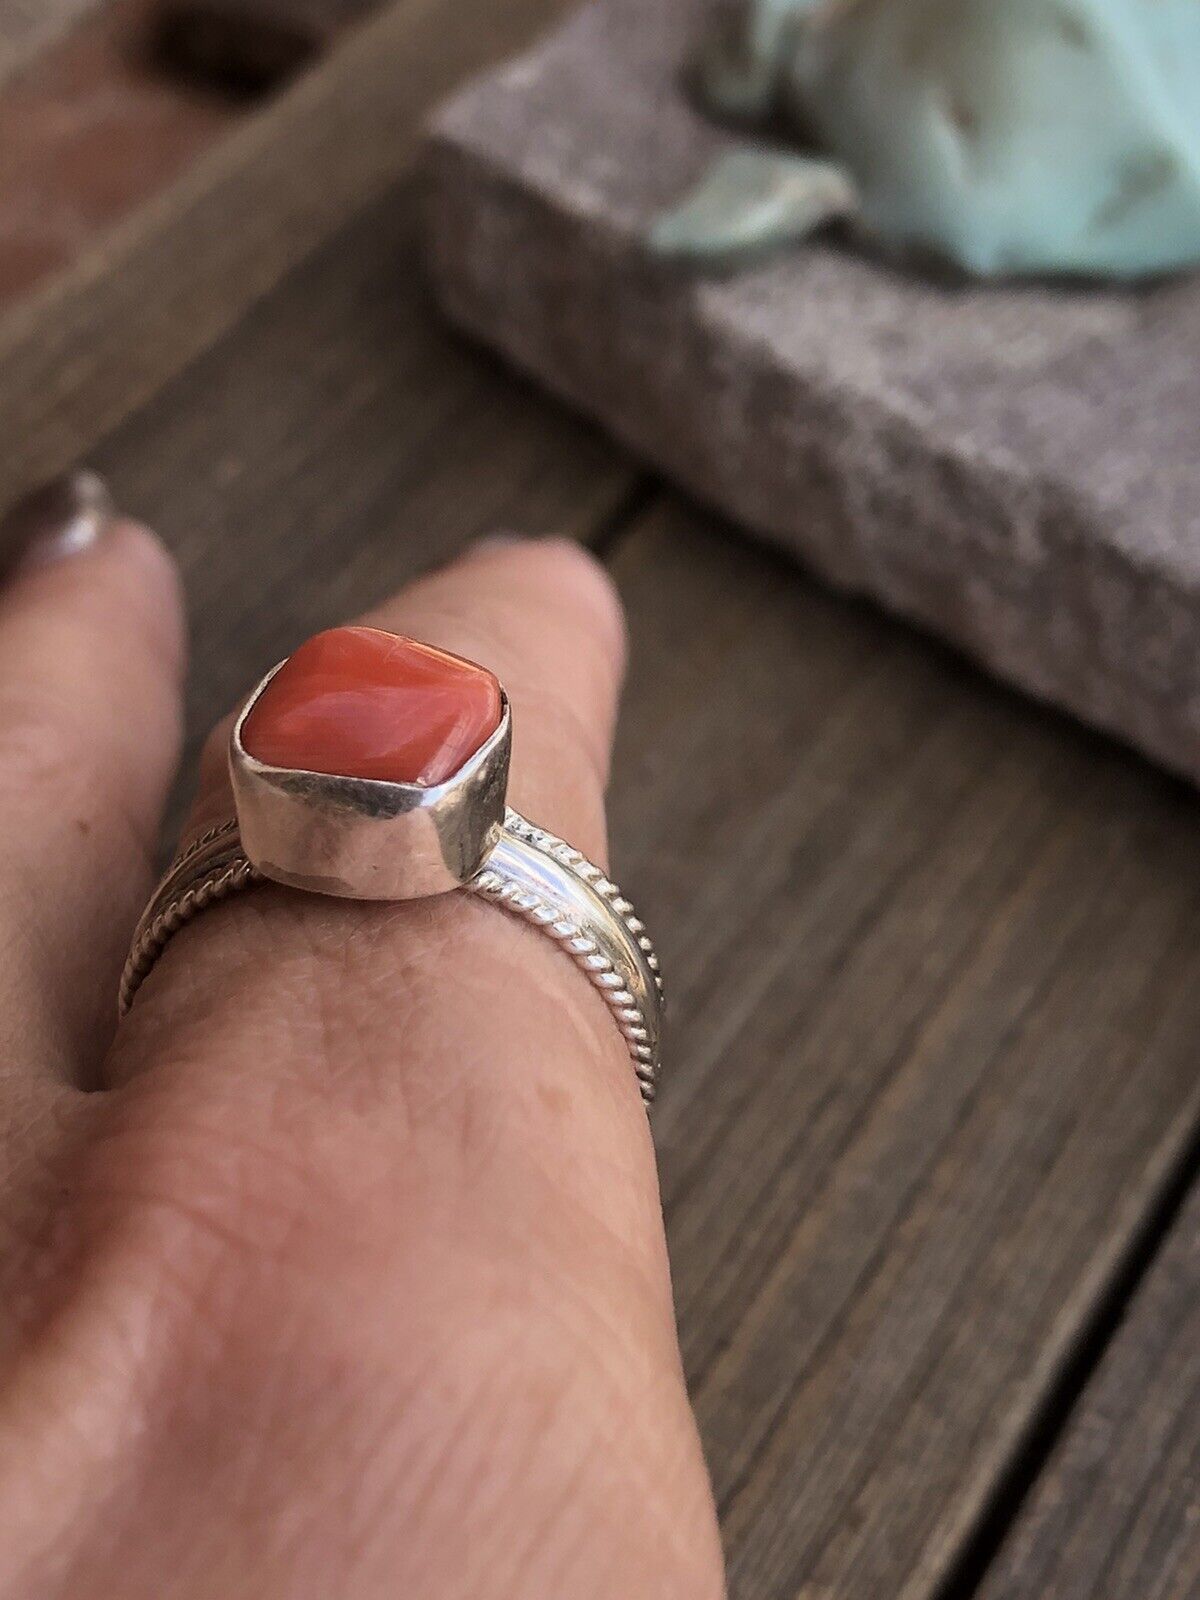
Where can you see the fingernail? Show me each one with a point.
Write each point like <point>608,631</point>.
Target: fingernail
<point>58,520</point>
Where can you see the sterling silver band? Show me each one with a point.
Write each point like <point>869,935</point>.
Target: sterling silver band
<point>528,872</point>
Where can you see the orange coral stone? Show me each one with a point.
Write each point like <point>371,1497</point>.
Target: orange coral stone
<point>361,703</point>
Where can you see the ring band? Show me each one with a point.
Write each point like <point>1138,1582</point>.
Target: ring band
<point>377,838</point>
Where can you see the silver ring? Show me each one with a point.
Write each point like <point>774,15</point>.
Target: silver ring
<point>372,838</point>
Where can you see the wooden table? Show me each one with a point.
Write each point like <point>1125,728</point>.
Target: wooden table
<point>930,1134</point>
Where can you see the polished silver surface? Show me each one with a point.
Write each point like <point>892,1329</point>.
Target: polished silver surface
<point>208,870</point>
<point>553,886</point>
<point>361,839</point>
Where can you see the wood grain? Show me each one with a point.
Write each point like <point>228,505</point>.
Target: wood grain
<point>937,986</point>
<point>934,954</point>
<point>79,356</point>
<point>1117,1510</point>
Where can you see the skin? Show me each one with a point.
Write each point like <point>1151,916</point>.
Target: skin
<point>339,1268</point>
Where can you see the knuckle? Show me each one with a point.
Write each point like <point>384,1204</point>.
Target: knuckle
<point>214,1221</point>
<point>202,1247</point>
<point>174,1283</point>
<point>213,1195</point>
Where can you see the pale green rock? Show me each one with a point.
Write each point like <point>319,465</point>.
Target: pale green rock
<point>751,200</point>
<point>1006,136</point>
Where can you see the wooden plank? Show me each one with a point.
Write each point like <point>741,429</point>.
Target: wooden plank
<point>936,984</point>
<point>92,128</point>
<point>80,356</point>
<point>1117,1511</point>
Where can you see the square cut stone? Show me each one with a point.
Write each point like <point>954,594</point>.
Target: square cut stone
<point>1015,467</point>
<point>362,703</point>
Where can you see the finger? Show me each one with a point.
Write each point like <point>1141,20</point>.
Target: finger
<point>421,1119</point>
<point>546,619</point>
<point>91,650</point>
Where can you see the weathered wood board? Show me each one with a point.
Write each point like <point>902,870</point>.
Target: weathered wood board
<point>936,1056</point>
<point>933,953</point>
<point>82,353</point>
<point>1116,1512</point>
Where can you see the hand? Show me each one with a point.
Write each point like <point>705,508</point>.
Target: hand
<point>348,1279</point>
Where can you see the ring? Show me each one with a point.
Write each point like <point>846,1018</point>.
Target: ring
<point>369,766</point>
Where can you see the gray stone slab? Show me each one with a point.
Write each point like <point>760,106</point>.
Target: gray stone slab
<point>1015,468</point>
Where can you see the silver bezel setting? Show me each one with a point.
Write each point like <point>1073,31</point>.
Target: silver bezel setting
<point>364,839</point>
